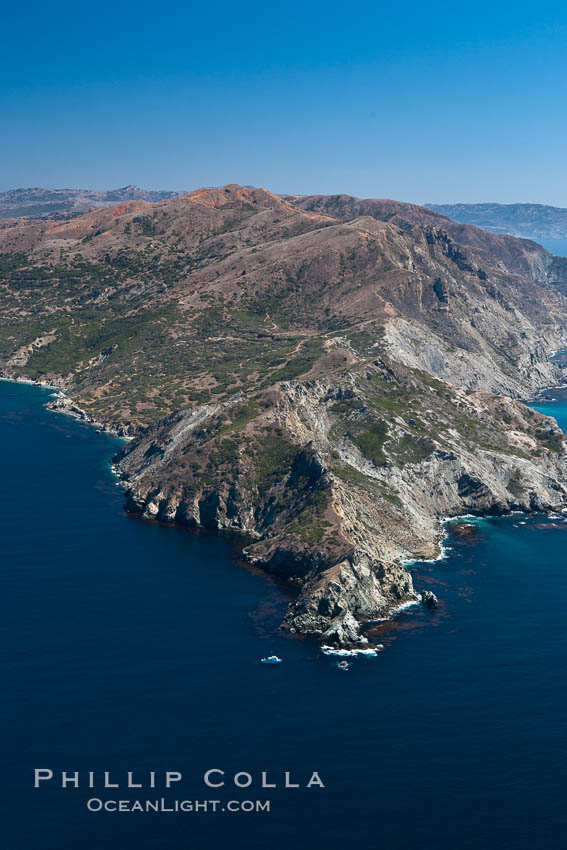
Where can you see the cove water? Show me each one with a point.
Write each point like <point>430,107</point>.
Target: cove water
<point>128,645</point>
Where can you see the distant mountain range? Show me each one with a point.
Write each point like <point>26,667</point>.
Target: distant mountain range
<point>530,221</point>
<point>43,203</point>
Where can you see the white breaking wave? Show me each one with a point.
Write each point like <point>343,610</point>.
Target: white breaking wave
<point>397,610</point>
<point>369,653</point>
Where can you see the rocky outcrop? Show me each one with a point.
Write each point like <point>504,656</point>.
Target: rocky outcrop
<point>64,404</point>
<point>21,356</point>
<point>429,599</point>
<point>336,484</point>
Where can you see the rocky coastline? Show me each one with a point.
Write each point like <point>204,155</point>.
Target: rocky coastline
<point>335,613</point>
<point>63,403</point>
<point>348,557</point>
<point>327,377</point>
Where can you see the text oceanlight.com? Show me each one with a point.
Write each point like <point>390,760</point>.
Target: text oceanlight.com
<point>95,804</point>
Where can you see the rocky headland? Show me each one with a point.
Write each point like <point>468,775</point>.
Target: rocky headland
<point>327,376</point>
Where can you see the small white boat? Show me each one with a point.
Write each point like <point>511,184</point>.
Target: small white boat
<point>271,659</point>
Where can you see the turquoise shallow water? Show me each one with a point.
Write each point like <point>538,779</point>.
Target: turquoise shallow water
<point>127,645</point>
<point>557,409</point>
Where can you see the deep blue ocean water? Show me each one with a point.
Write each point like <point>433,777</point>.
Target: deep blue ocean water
<point>127,645</point>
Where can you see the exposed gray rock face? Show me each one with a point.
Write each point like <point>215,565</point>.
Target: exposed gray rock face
<point>344,631</point>
<point>353,591</point>
<point>429,599</point>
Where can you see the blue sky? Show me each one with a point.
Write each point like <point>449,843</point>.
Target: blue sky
<point>430,101</point>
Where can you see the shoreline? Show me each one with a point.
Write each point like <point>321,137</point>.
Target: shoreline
<point>479,518</point>
<point>63,403</point>
<point>70,408</point>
